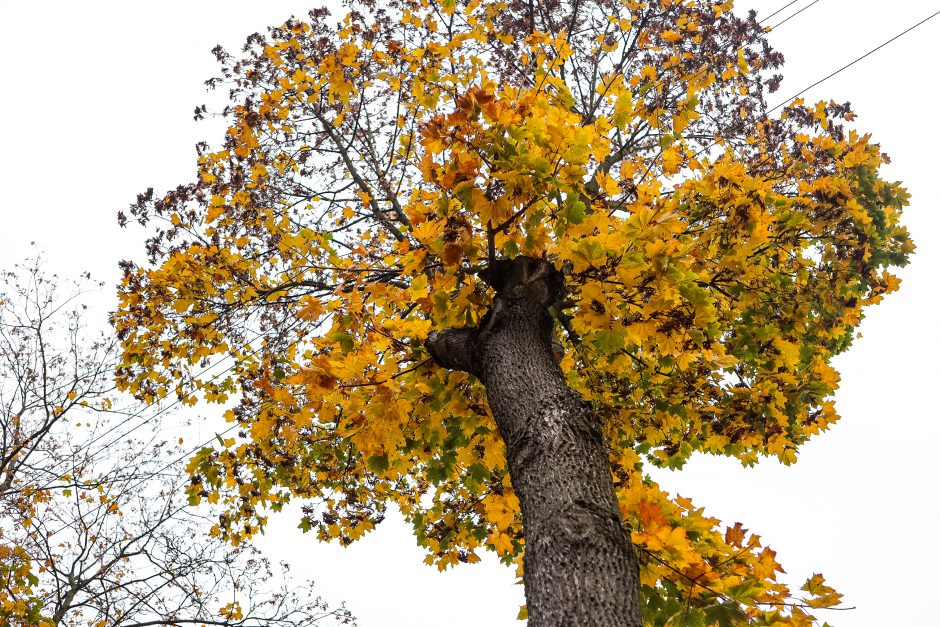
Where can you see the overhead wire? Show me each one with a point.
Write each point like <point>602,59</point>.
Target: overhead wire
<point>175,402</point>
<point>698,73</point>
<point>850,64</point>
<point>785,102</point>
<point>781,9</point>
<point>149,418</point>
<point>787,19</point>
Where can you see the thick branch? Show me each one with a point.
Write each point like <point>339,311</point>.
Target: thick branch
<point>454,349</point>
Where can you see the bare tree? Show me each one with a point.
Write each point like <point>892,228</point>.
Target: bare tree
<point>94,524</point>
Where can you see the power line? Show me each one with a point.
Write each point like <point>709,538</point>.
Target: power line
<point>150,418</point>
<point>705,69</point>
<point>147,476</point>
<point>784,7</point>
<point>787,19</point>
<point>848,65</point>
<point>761,21</point>
<point>178,401</point>
<point>174,403</point>
<point>824,79</point>
<point>228,430</point>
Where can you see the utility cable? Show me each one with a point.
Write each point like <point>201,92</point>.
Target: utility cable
<point>783,8</point>
<point>787,19</point>
<point>848,65</point>
<point>826,78</point>
<point>150,418</point>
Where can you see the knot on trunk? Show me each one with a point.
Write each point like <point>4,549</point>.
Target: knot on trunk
<point>526,278</point>
<point>526,287</point>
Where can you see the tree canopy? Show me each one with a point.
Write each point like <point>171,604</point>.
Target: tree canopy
<point>716,257</point>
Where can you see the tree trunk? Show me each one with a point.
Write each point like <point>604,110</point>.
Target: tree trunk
<point>580,566</point>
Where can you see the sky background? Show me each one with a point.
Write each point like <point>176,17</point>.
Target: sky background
<point>97,104</point>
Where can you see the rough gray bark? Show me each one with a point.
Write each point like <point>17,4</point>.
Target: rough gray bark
<point>580,567</point>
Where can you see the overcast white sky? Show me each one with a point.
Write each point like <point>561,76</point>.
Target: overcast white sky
<point>96,105</point>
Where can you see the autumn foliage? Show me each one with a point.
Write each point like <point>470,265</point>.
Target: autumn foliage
<point>716,258</point>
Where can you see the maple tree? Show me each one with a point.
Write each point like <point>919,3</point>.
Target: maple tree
<point>486,260</point>
<point>94,525</point>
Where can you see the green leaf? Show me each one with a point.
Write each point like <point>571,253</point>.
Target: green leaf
<point>609,340</point>
<point>345,340</point>
<point>511,249</point>
<point>478,473</point>
<point>726,614</point>
<point>693,617</point>
<point>377,463</point>
<point>575,211</point>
